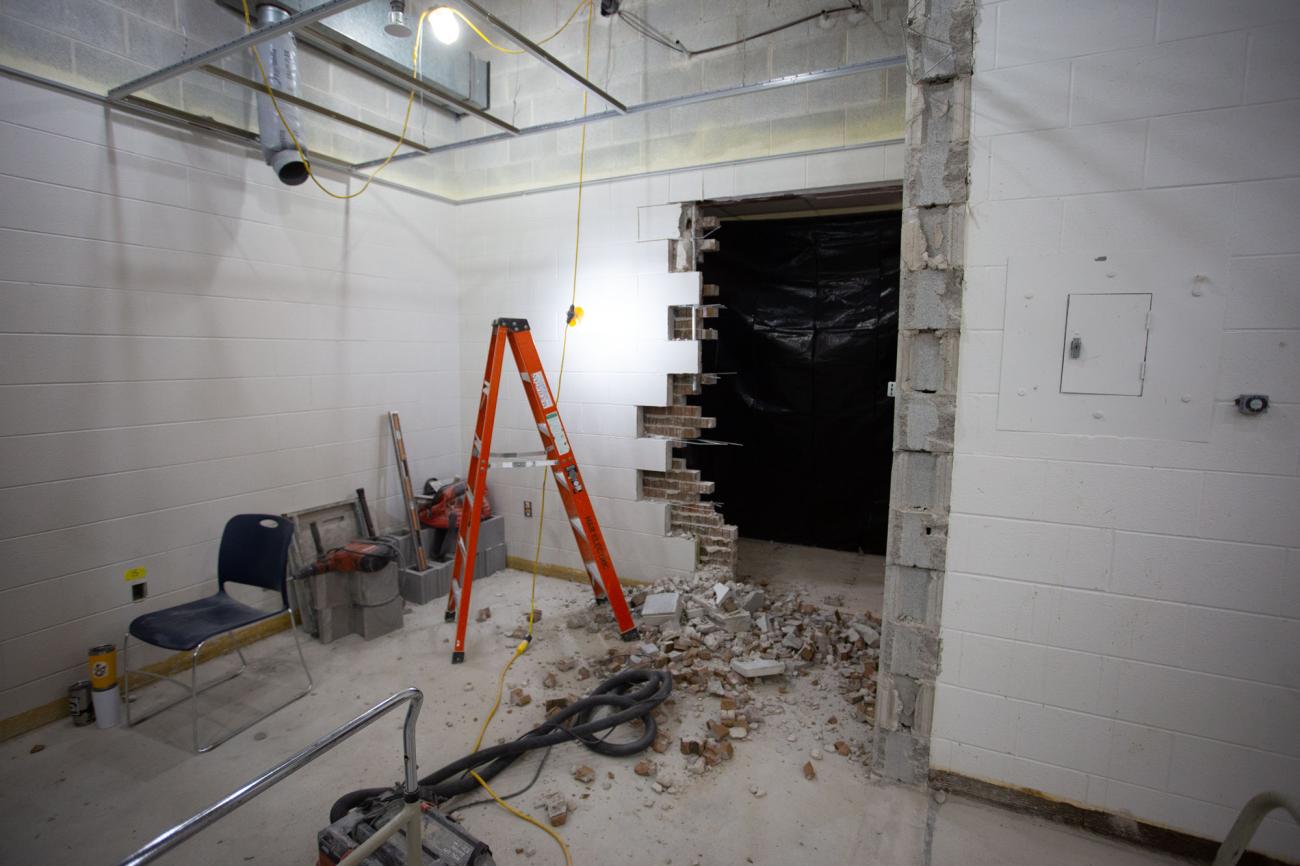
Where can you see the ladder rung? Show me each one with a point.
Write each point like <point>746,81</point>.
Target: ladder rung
<point>518,459</point>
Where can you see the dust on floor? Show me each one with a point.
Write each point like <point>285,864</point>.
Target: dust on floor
<point>94,796</point>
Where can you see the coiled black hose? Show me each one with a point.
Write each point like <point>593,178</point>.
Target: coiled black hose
<point>629,695</point>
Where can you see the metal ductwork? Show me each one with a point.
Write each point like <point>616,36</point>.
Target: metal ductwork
<point>280,60</point>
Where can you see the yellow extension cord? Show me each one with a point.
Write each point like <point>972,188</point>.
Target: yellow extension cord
<point>541,513</point>
<point>564,346</point>
<point>410,99</point>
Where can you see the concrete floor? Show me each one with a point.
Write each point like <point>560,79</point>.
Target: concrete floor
<point>92,796</point>
<point>858,578</point>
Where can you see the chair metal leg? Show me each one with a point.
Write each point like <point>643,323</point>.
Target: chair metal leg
<point>293,626</point>
<point>189,687</point>
<point>194,690</point>
<point>126,675</point>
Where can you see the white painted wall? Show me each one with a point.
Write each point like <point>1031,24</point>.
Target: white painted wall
<point>516,260</point>
<point>183,339</point>
<point>1121,616</point>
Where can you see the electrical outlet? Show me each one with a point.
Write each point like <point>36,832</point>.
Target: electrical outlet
<point>139,590</point>
<point>528,508</point>
<point>890,389</point>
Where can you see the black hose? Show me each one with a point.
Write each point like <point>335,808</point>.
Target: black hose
<point>629,695</point>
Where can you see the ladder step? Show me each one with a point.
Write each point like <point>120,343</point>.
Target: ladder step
<point>519,459</point>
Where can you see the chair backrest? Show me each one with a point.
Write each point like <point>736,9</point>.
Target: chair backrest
<point>255,551</point>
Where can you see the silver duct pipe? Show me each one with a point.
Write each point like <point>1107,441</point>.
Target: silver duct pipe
<point>280,60</point>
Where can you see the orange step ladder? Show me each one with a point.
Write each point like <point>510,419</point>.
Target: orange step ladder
<point>563,466</point>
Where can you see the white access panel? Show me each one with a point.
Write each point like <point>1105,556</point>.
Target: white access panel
<point>1105,347</point>
<point>1171,398</point>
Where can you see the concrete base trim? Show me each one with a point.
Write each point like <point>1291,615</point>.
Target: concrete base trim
<point>574,575</point>
<point>1121,827</point>
<point>39,716</point>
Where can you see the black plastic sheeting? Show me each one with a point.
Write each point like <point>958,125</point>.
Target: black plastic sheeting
<point>806,347</point>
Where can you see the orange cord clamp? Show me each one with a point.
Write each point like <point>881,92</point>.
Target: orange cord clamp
<point>568,479</point>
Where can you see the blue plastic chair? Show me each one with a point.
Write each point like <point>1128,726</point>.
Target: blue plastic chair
<point>255,552</point>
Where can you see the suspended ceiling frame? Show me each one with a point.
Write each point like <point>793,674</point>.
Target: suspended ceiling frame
<point>300,23</point>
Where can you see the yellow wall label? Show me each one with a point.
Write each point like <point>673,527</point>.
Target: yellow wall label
<point>134,573</point>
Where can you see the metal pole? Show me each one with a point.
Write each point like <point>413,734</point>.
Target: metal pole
<point>543,55</point>
<point>659,105</point>
<point>253,37</point>
<point>282,96</point>
<point>238,797</point>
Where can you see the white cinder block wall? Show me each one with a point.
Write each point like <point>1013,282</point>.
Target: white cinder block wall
<point>1121,618</point>
<point>516,260</point>
<point>185,339</point>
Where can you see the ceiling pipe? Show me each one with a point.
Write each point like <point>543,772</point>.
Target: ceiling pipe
<point>280,63</point>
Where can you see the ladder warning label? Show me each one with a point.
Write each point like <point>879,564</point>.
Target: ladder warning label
<point>557,433</point>
<point>543,393</point>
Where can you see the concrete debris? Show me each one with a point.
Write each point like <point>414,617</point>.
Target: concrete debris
<point>536,616</point>
<point>755,668</point>
<point>520,698</point>
<point>550,681</point>
<point>660,608</point>
<point>770,660</point>
<point>557,809</point>
<point>484,614</point>
<point>584,774</point>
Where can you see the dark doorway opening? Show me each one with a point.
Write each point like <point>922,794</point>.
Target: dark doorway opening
<point>806,348</point>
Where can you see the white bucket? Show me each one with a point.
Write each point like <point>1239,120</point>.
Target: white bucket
<point>108,707</point>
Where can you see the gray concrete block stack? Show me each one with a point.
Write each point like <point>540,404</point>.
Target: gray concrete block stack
<point>422,587</point>
<point>357,603</point>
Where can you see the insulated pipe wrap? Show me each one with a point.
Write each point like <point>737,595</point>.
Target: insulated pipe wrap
<point>280,60</point>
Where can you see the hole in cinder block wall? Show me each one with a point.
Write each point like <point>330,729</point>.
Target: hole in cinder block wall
<point>806,347</point>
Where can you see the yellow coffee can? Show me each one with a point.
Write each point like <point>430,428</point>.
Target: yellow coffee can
<point>103,667</point>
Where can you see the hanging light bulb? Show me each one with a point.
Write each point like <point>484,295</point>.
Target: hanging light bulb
<point>397,25</point>
<point>445,27</point>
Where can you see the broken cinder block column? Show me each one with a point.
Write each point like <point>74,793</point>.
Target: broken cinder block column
<point>940,41</point>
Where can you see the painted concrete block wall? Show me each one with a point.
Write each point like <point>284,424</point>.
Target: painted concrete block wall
<point>516,260</point>
<point>185,339</point>
<point>1122,610</point>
